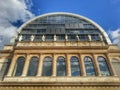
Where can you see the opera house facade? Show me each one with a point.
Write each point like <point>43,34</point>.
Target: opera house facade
<point>60,51</point>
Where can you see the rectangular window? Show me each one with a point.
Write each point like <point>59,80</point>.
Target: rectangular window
<point>49,37</point>
<point>83,37</point>
<point>95,37</point>
<point>61,37</point>
<point>89,26</point>
<point>41,31</point>
<point>26,37</point>
<point>38,38</point>
<point>72,37</point>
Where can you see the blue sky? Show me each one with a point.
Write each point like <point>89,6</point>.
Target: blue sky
<point>15,12</point>
<point>104,12</point>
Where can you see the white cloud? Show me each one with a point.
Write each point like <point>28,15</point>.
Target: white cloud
<point>116,36</point>
<point>12,11</point>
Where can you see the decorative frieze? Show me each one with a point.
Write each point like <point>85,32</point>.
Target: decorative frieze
<point>62,79</point>
<point>68,43</point>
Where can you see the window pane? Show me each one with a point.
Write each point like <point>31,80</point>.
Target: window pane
<point>103,66</point>
<point>47,67</point>
<point>19,66</point>
<point>38,38</point>
<point>83,37</point>
<point>75,66</point>
<point>32,71</point>
<point>95,37</point>
<point>26,37</point>
<point>60,37</point>
<point>61,66</point>
<point>49,37</point>
<point>72,37</point>
<point>116,66</point>
<point>90,70</point>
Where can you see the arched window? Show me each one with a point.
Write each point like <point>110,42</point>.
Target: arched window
<point>103,66</point>
<point>33,66</point>
<point>19,66</point>
<point>90,70</point>
<point>61,66</point>
<point>75,66</point>
<point>47,66</point>
<point>116,65</point>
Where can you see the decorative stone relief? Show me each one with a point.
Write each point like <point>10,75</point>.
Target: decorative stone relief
<point>66,37</point>
<point>55,38</point>
<point>32,37</point>
<point>43,38</point>
<point>20,37</point>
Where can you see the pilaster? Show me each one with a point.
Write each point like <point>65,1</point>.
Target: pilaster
<point>97,69</point>
<point>113,73</point>
<point>68,65</point>
<point>26,65</point>
<point>83,71</point>
<point>12,65</point>
<point>54,65</point>
<point>39,72</point>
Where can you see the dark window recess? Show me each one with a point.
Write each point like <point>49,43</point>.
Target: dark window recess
<point>75,66</point>
<point>72,37</point>
<point>95,37</point>
<point>89,26</point>
<point>103,66</point>
<point>33,66</point>
<point>60,37</point>
<point>61,66</point>
<point>41,31</point>
<point>49,37</point>
<point>90,70</point>
<point>38,38</point>
<point>19,66</point>
<point>26,37</point>
<point>47,66</point>
<point>83,37</point>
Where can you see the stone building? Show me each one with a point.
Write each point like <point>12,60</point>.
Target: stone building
<point>60,51</point>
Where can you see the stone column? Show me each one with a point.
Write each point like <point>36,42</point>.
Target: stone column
<point>26,65</point>
<point>97,69</point>
<point>68,67</point>
<point>82,65</point>
<point>12,65</point>
<point>39,72</point>
<point>113,73</point>
<point>54,65</point>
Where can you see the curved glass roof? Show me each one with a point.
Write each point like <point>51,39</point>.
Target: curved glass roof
<point>62,27</point>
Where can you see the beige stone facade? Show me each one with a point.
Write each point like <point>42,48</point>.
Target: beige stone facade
<point>53,82</point>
